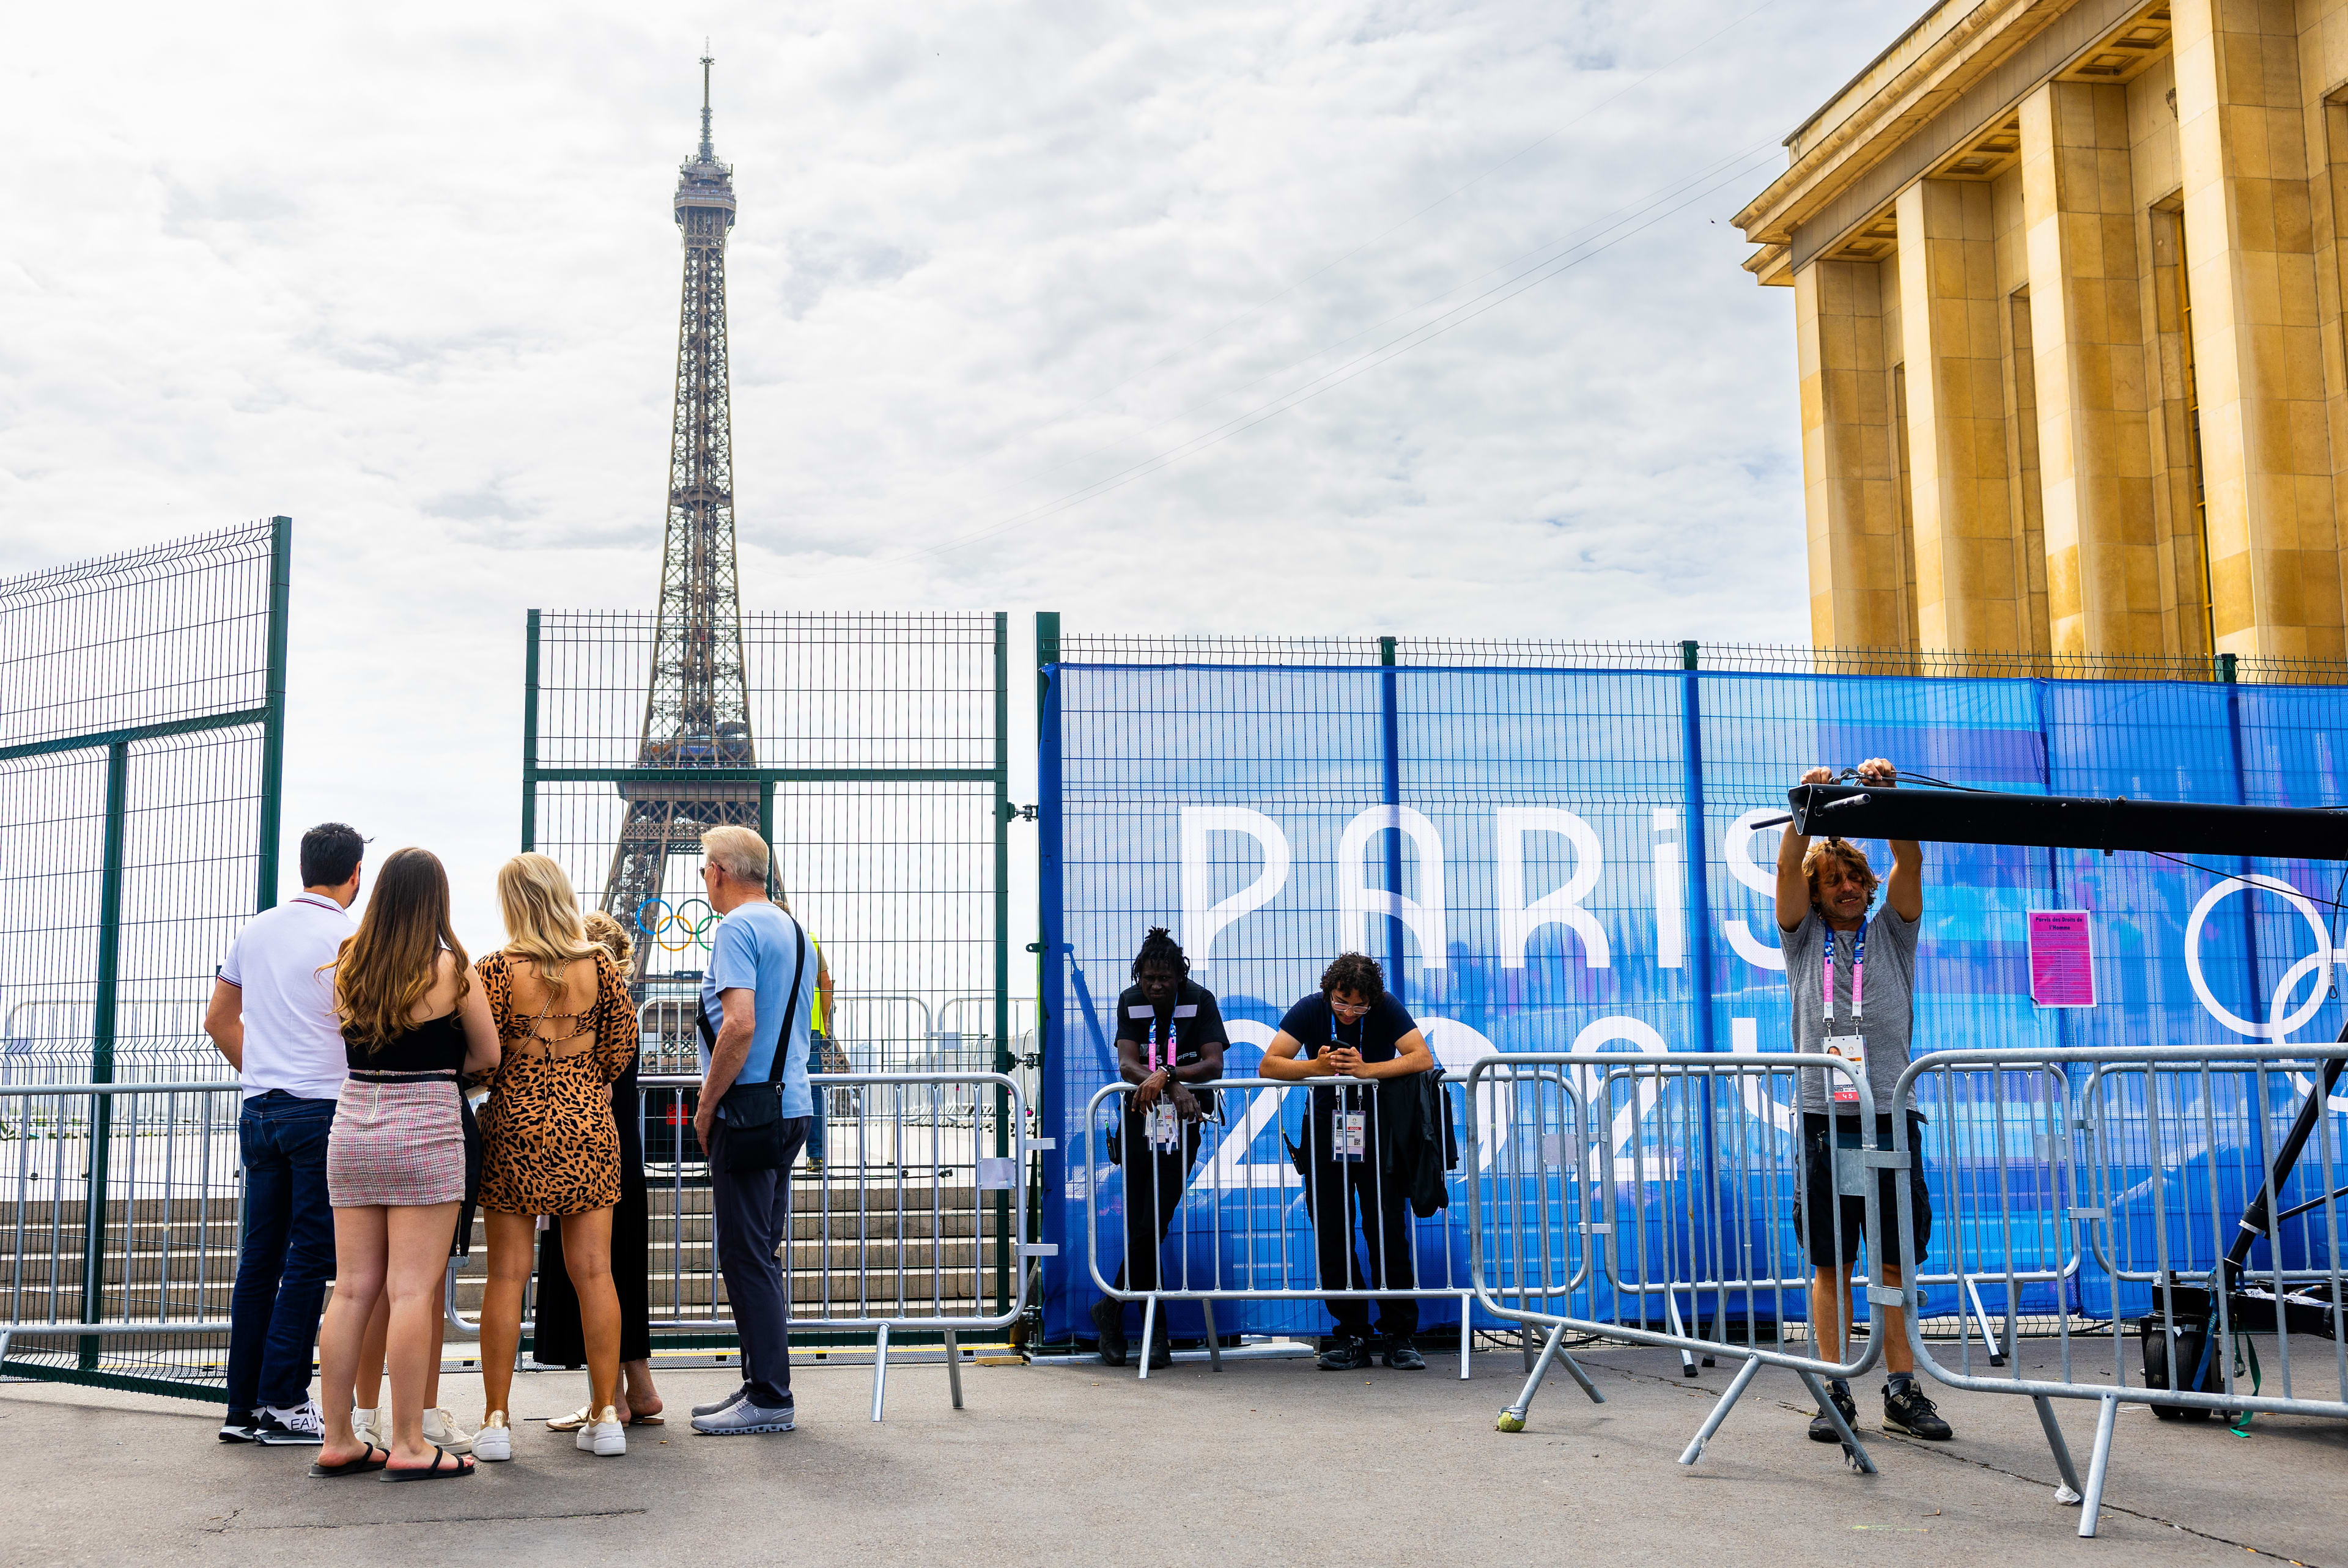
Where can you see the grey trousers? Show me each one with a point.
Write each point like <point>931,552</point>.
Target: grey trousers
<point>750,1213</point>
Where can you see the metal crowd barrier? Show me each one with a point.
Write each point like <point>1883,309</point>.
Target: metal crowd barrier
<point>1230,1237</point>
<point>916,1224</point>
<point>2175,1142</point>
<point>1685,1179</point>
<point>124,1220</point>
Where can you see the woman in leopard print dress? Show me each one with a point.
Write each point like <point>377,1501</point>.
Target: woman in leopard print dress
<point>548,1145</point>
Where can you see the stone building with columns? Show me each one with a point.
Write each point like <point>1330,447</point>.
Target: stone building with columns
<point>2068,285</point>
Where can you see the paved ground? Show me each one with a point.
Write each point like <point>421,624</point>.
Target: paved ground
<point>1268,1462</point>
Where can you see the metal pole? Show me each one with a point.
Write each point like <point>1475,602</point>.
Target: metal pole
<point>101,1053</point>
<point>1051,977</point>
<point>1390,752</point>
<point>530,738</point>
<point>272,727</point>
<point>1003,1262</point>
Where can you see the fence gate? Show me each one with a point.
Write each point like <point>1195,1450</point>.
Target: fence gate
<point>868,750</point>
<point>142,701</point>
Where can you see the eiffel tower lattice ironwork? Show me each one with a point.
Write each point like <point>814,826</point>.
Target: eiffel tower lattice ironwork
<point>696,706</point>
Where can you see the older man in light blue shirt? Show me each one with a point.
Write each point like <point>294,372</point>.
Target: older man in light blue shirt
<point>752,1118</point>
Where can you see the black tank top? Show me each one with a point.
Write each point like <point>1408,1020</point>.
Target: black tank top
<point>436,1045</point>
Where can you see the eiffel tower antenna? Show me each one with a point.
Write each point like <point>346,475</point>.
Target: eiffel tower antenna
<point>697,705</point>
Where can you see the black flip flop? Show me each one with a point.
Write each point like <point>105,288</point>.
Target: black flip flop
<point>431,1471</point>
<point>364,1463</point>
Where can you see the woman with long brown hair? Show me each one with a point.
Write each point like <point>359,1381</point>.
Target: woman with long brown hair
<point>412,1022</point>
<point>549,1145</point>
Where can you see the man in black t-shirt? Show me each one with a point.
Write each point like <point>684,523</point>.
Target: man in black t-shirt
<point>1169,1040</point>
<point>1352,1029</point>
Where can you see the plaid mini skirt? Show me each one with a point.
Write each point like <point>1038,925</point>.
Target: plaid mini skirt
<point>400,1145</point>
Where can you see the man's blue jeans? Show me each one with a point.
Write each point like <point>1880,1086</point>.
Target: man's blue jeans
<point>289,1250</point>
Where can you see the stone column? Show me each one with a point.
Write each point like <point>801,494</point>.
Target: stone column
<point>2086,329</point>
<point>1849,473</point>
<point>2258,352</point>
<point>1967,592</point>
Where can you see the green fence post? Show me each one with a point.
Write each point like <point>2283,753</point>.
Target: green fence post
<point>1688,651</point>
<point>101,1053</point>
<point>530,738</point>
<point>272,727</point>
<point>2225,668</point>
<point>1048,888</point>
<point>1004,1059</point>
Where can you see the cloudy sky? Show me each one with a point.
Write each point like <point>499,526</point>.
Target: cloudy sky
<point>1403,316</point>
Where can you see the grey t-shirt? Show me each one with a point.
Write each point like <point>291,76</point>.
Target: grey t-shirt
<point>1886,1021</point>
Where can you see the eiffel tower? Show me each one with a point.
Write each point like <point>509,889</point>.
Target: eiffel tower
<point>697,706</point>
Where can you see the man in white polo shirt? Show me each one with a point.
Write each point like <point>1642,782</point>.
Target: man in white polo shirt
<point>273,1016</point>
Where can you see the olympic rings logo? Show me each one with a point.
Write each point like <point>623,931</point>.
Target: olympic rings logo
<point>676,921</point>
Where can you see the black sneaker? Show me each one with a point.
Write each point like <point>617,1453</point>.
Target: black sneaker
<point>1108,1322</point>
<point>1822,1430</point>
<point>1346,1354</point>
<point>270,1429</point>
<point>1161,1349</point>
<point>1402,1356</point>
<point>1908,1410</point>
<point>237,1427</point>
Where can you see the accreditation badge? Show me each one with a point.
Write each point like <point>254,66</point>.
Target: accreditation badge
<point>1851,1047</point>
<point>1350,1134</point>
<point>1165,1128</point>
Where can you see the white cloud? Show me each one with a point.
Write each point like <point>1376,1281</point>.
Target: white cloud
<point>409,276</point>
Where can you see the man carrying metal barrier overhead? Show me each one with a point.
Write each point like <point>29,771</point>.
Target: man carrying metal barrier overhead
<point>1352,1029</point>
<point>1843,1008</point>
<point>1170,1038</point>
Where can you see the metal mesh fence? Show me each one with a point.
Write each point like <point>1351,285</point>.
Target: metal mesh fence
<point>1561,845</point>
<point>141,732</point>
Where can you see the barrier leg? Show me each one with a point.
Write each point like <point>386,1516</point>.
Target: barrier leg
<point>1721,1407</point>
<point>1214,1341</point>
<point>2069,1492</point>
<point>2092,1504</point>
<point>1466,1337</point>
<point>1148,1331</point>
<point>1512,1420</point>
<point>1672,1315</point>
<point>1980,1316</point>
<point>879,1369</point>
<point>1524,1345</point>
<point>953,1367</point>
<point>1859,1461</point>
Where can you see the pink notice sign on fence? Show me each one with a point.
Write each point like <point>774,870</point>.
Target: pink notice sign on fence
<point>2062,959</point>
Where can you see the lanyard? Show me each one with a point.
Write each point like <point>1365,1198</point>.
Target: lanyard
<point>1857,973</point>
<point>1166,1040</point>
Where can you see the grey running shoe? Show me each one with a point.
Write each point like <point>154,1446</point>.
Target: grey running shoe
<point>1108,1322</point>
<point>1822,1428</point>
<point>742,1419</point>
<point>727,1403</point>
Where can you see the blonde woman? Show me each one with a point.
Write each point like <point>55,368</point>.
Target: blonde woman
<point>549,1145</point>
<point>556,1341</point>
<point>412,1022</point>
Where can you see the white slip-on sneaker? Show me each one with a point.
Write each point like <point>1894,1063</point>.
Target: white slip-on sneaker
<point>441,1429</point>
<point>363,1424</point>
<point>603,1437</point>
<point>495,1439</point>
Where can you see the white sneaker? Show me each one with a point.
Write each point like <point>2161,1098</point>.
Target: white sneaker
<point>603,1437</point>
<point>441,1428</point>
<point>363,1427</point>
<point>494,1442</point>
<point>303,1425</point>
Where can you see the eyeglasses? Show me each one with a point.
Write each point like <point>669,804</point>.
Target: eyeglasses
<point>1348,1009</point>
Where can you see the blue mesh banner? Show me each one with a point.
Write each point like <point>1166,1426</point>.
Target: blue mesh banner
<point>1546,859</point>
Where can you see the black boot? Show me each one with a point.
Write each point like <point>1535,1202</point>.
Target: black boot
<point>1402,1356</point>
<point>1346,1354</point>
<point>1108,1321</point>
